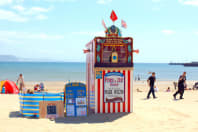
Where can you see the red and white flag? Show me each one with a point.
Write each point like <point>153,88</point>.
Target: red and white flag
<point>113,16</point>
<point>104,25</point>
<point>124,24</point>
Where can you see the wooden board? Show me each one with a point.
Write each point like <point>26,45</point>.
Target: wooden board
<point>48,109</point>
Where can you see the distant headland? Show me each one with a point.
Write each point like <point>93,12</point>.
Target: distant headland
<point>8,58</point>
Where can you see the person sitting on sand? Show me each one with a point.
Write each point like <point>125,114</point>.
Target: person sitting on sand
<point>138,90</point>
<point>168,89</point>
<point>156,89</point>
<point>41,86</point>
<point>37,88</point>
<point>29,91</point>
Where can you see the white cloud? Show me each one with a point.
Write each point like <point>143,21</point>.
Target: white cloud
<point>19,8</point>
<point>103,2</point>
<point>21,13</point>
<point>155,8</point>
<point>189,2</point>
<point>41,17</point>
<point>58,0</point>
<point>12,35</point>
<point>196,33</point>
<point>155,1</point>
<point>39,9</point>
<point>32,10</point>
<point>97,33</point>
<point>168,32</point>
<point>5,2</point>
<point>35,10</point>
<point>11,16</point>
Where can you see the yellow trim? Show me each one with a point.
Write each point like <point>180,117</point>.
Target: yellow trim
<point>29,105</point>
<point>30,97</point>
<point>30,101</point>
<point>30,113</point>
<point>31,109</point>
<point>53,97</point>
<point>39,97</point>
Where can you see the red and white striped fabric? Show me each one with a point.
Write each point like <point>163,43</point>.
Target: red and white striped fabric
<point>126,106</point>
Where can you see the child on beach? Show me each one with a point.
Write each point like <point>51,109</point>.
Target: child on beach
<point>156,89</point>
<point>20,82</point>
<point>168,89</point>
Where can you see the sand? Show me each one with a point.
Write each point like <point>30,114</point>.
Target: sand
<point>154,115</point>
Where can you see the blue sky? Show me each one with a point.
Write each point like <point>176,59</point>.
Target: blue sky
<point>163,30</point>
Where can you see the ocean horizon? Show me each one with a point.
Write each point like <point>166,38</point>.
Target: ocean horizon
<point>64,71</point>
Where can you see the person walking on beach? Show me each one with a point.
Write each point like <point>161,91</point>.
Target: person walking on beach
<point>175,85</point>
<point>181,86</point>
<point>151,81</point>
<point>20,81</point>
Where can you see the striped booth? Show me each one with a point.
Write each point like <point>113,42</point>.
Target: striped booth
<point>29,103</point>
<point>109,73</point>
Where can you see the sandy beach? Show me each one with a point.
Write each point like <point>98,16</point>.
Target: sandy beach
<point>161,114</point>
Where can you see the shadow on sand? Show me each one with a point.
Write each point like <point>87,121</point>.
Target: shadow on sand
<point>16,114</point>
<point>92,118</point>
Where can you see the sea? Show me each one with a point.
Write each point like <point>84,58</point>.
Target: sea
<point>76,71</point>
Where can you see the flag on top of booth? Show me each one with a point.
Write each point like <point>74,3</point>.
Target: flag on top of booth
<point>113,16</point>
<point>124,24</point>
<point>104,25</point>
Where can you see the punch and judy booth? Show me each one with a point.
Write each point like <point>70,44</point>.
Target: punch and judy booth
<point>109,63</point>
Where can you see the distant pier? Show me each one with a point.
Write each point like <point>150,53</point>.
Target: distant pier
<point>191,64</point>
